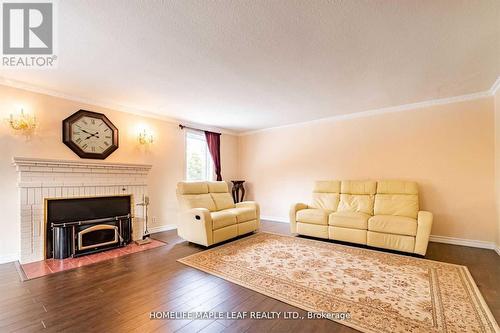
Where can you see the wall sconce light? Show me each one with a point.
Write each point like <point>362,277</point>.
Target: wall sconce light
<point>22,121</point>
<point>145,137</point>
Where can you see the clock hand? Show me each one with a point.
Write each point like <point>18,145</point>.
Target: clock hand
<point>91,135</point>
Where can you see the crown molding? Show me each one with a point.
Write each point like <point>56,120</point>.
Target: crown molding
<point>148,114</point>
<point>495,87</point>
<point>374,112</point>
<point>111,106</point>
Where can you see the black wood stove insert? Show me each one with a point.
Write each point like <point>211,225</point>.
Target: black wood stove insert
<point>80,226</point>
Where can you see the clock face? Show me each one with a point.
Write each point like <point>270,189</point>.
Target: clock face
<point>90,134</point>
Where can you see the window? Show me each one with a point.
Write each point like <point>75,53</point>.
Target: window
<point>199,165</point>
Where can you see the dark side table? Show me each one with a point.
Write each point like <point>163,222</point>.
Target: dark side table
<point>238,190</point>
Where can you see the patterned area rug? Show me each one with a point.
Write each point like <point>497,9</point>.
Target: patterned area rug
<point>383,292</point>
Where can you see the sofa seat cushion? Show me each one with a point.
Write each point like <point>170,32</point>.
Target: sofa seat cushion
<point>391,224</point>
<point>222,219</point>
<point>243,214</point>
<point>353,220</point>
<point>313,216</point>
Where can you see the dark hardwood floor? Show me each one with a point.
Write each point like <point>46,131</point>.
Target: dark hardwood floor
<point>118,295</point>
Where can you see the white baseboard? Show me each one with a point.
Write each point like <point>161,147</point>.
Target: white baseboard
<point>464,242</point>
<point>275,219</point>
<point>161,228</point>
<point>5,258</point>
<point>433,238</point>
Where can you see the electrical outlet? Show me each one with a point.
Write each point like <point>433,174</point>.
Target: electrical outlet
<point>154,219</point>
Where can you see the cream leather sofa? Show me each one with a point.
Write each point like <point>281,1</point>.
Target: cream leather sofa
<point>208,214</point>
<point>383,214</point>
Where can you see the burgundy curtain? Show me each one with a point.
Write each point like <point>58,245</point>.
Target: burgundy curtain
<point>213,142</point>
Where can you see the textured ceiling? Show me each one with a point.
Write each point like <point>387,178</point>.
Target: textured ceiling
<point>245,65</point>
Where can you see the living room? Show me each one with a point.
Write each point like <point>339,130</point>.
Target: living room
<point>250,166</point>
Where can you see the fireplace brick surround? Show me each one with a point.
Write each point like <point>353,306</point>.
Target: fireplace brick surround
<point>41,179</point>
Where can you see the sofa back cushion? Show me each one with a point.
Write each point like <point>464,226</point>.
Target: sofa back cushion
<point>356,203</point>
<point>357,196</point>
<point>194,195</point>
<point>189,201</point>
<point>219,191</point>
<point>398,198</point>
<point>222,200</point>
<point>397,187</point>
<point>218,187</point>
<point>192,188</point>
<point>326,194</point>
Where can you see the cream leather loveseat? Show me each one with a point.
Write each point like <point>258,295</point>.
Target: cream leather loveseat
<point>208,214</point>
<point>382,214</point>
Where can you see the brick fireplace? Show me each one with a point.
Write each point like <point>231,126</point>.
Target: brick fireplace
<point>40,180</point>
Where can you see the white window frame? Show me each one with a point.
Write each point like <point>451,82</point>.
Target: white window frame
<point>210,171</point>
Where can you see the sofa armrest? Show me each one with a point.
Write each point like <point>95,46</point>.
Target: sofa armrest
<point>424,226</point>
<point>251,204</point>
<point>293,215</point>
<point>195,225</point>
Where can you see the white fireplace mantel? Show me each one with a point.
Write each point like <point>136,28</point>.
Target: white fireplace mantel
<point>41,179</point>
<point>36,172</point>
<point>28,161</point>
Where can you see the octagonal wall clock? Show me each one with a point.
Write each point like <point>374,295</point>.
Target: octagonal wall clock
<point>90,134</point>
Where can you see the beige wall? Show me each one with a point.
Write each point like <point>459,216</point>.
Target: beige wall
<point>166,154</point>
<point>447,149</point>
<point>497,160</point>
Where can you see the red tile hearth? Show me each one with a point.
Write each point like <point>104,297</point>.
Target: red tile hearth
<point>49,266</point>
